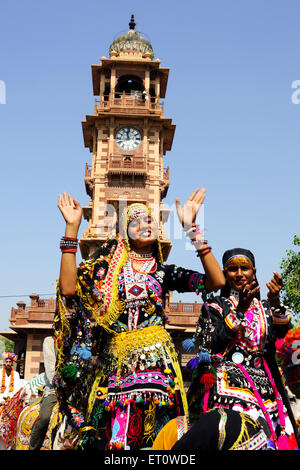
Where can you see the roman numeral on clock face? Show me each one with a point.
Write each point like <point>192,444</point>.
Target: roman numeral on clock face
<point>128,138</point>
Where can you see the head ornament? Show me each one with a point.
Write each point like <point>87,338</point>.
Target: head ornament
<point>242,253</point>
<point>8,355</point>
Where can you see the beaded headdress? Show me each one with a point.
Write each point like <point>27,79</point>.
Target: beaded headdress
<point>140,210</point>
<point>135,210</point>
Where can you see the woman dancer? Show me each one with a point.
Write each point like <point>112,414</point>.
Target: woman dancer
<point>236,366</point>
<point>118,377</point>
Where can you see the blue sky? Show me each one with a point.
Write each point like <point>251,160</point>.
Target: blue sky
<point>232,65</point>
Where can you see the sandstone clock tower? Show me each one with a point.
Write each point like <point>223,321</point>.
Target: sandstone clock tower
<point>128,136</point>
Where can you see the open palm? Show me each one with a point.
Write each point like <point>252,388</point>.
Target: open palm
<point>70,209</point>
<point>188,213</point>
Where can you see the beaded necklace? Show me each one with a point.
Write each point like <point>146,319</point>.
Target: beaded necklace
<point>144,263</point>
<point>137,256</point>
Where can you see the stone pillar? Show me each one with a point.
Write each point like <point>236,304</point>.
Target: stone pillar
<point>21,307</point>
<point>34,300</point>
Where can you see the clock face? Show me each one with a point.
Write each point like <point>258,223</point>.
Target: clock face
<point>128,138</point>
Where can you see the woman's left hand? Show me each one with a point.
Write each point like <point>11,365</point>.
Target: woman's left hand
<point>187,214</point>
<point>274,286</point>
<point>246,295</point>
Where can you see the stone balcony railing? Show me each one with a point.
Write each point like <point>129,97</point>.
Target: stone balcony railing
<point>118,162</point>
<point>129,103</point>
<point>184,314</point>
<point>39,310</point>
<point>131,163</point>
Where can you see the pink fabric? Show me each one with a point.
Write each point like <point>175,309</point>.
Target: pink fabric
<point>119,424</point>
<point>259,400</point>
<point>205,398</point>
<point>282,442</point>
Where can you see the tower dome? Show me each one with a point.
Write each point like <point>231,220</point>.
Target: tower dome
<point>131,43</point>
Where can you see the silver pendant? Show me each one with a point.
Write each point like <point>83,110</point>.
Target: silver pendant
<point>237,357</point>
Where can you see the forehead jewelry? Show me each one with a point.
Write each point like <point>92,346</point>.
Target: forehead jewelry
<point>238,260</point>
<point>136,210</point>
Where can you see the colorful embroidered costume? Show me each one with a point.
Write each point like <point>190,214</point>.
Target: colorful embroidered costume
<point>118,378</point>
<point>236,366</point>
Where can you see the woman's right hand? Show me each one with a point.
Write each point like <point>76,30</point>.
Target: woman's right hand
<point>71,211</point>
<point>188,213</point>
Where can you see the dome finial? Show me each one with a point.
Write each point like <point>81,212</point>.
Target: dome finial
<point>132,43</point>
<point>132,22</point>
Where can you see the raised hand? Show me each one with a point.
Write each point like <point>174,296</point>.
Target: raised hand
<point>274,286</point>
<point>71,210</point>
<point>187,214</point>
<point>246,295</point>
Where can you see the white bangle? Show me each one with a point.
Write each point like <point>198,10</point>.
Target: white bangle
<point>198,244</point>
<point>193,229</point>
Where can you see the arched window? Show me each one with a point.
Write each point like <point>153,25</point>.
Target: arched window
<point>131,85</point>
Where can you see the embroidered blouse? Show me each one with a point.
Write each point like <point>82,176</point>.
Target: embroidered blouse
<point>149,310</point>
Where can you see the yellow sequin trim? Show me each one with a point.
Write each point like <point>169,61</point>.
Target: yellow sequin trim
<point>244,434</point>
<point>222,428</point>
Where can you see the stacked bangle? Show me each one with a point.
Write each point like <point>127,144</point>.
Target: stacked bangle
<point>279,311</point>
<point>68,245</point>
<point>203,251</point>
<point>200,244</point>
